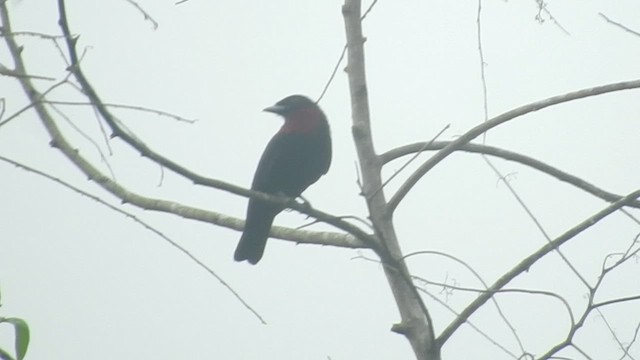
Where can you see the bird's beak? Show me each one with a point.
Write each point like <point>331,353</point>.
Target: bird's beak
<point>276,109</point>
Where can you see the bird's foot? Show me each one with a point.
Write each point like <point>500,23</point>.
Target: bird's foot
<point>303,202</point>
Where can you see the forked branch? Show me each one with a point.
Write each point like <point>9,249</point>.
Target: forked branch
<point>498,120</point>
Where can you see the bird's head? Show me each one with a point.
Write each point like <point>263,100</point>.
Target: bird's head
<point>290,104</point>
<point>301,115</point>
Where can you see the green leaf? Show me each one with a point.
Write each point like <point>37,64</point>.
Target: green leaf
<point>22,335</point>
<point>5,355</point>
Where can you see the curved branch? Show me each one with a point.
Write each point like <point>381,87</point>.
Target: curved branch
<point>532,259</point>
<point>484,284</point>
<point>485,126</point>
<point>546,293</point>
<point>512,156</point>
<point>591,306</point>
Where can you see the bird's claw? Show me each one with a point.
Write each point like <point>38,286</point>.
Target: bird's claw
<point>304,203</point>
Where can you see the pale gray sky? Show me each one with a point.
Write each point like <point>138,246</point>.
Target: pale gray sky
<point>93,284</point>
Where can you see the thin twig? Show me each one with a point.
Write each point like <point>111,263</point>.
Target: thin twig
<point>38,99</point>
<point>369,9</point>
<point>533,218</point>
<point>144,13</point>
<point>614,335</point>
<point>417,153</point>
<point>485,287</point>
<point>333,73</point>
<point>444,304</point>
<point>129,107</point>
<point>144,225</point>
<point>483,79</point>
<point>342,54</point>
<point>103,158</point>
<point>33,34</point>
<point>5,71</point>
<point>542,7</point>
<point>619,25</point>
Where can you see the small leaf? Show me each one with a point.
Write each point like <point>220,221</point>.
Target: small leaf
<point>22,335</point>
<point>5,355</point>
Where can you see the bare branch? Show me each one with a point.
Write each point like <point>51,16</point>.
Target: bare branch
<point>144,225</point>
<point>550,294</point>
<point>144,13</point>
<point>83,134</point>
<point>333,73</point>
<point>488,161</point>
<point>417,153</point>
<point>18,74</point>
<point>471,324</point>
<point>532,259</point>
<point>34,34</point>
<point>30,105</point>
<point>616,301</point>
<point>369,9</point>
<point>342,54</point>
<point>511,156</point>
<point>542,7</point>
<point>535,220</point>
<point>485,287</point>
<point>498,120</point>
<point>619,25</point>
<point>128,107</point>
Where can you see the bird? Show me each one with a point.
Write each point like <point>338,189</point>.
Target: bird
<point>295,157</point>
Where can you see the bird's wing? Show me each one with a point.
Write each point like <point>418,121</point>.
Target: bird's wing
<point>290,163</point>
<point>276,163</point>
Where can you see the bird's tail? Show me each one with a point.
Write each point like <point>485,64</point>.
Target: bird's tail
<point>254,238</point>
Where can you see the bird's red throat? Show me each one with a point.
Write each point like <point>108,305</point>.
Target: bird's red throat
<point>302,121</point>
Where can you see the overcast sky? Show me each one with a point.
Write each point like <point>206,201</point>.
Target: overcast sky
<point>93,284</point>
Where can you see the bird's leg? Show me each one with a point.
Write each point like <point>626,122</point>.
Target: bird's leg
<point>304,202</point>
<point>289,200</point>
<point>307,206</point>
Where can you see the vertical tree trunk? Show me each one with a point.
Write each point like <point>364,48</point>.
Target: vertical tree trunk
<point>416,324</point>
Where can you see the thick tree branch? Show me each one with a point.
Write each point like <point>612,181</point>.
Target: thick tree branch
<point>498,120</point>
<point>416,323</point>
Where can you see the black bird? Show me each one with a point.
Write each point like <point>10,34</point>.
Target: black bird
<point>297,155</point>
